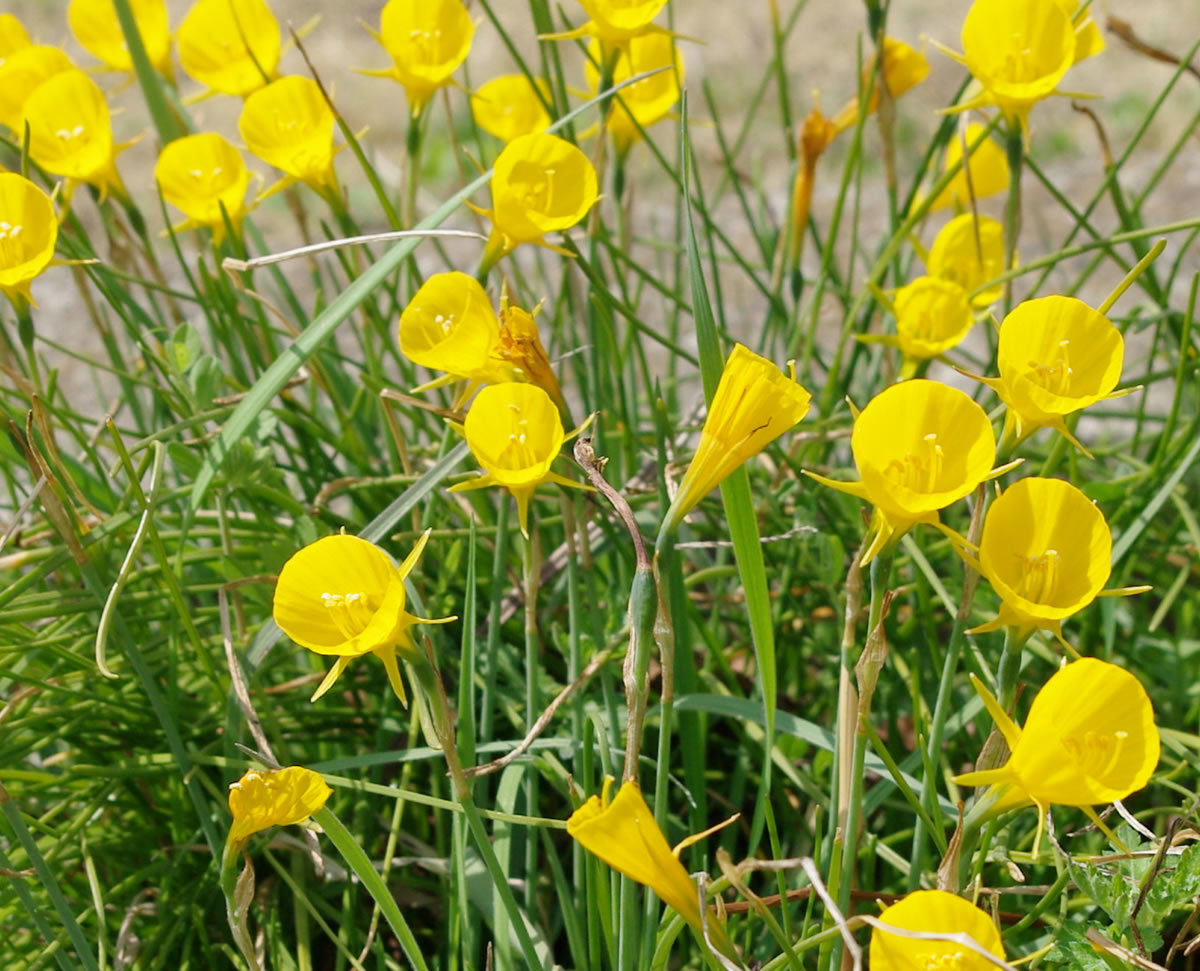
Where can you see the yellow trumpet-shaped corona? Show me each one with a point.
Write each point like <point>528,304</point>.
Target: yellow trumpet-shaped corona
<point>13,36</point>
<point>615,22</point>
<point>512,105</point>
<point>28,233</point>
<point>984,174</point>
<point>936,912</point>
<point>205,177</point>
<point>21,73</point>
<point>640,105</point>
<point>230,46</point>
<point>288,124</point>
<point>932,316</point>
<point>904,67</point>
<point>95,26</point>
<point>969,251</point>
<point>263,798</point>
<point>427,40</point>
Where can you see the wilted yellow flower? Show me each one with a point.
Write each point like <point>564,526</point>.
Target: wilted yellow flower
<point>203,175</point>
<point>95,26</point>
<point>969,251</point>
<point>427,41</point>
<point>263,798</point>
<point>919,446</point>
<point>1056,355</point>
<point>1090,738</point>
<point>21,73</point>
<point>344,597</point>
<point>816,136</point>
<point>288,124</point>
<point>1018,50</point>
<point>28,232</point>
<point>904,67</point>
<point>70,132</point>
<point>540,184</point>
<point>986,164</point>
<point>13,36</point>
<point>510,106</point>
<point>754,404</point>
<point>230,46</point>
<point>515,433</point>
<point>646,102</point>
<point>932,316</point>
<point>521,346</point>
<point>939,912</point>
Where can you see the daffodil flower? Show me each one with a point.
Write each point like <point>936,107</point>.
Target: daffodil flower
<point>13,36</point>
<point>937,912</point>
<point>427,40</point>
<point>932,316</point>
<point>1056,355</point>
<point>1046,549</point>
<point>904,67</point>
<point>344,597</point>
<point>919,446</point>
<point>95,26</point>
<point>540,184</point>
<point>230,46</point>
<point>515,432</point>
<point>614,22</point>
<point>264,798</point>
<point>21,73</point>
<point>512,105</point>
<point>288,124</point>
<point>28,233</point>
<point>70,132</point>
<point>984,174</point>
<point>204,176</point>
<point>647,102</point>
<point>1090,739</point>
<point>1019,50</point>
<point>753,405</point>
<point>969,251</point>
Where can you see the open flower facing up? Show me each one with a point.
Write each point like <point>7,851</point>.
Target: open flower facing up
<point>1046,549</point>
<point>515,432</point>
<point>204,177</point>
<point>754,404</point>
<point>95,26</point>
<point>21,73</point>
<point>288,124</point>
<point>640,105</point>
<point>13,36</point>
<point>904,67</point>
<point>427,40</point>
<point>969,251</point>
<point>263,798</point>
<point>932,316</point>
<point>1056,355</point>
<point>919,446</point>
<point>1018,50</point>
<point>1090,739</point>
<point>984,174</point>
<point>540,184</point>
<point>70,131</point>
<point>512,105</point>
<point>28,233</point>
<point>230,46</point>
<point>936,912</point>
<point>344,597</point>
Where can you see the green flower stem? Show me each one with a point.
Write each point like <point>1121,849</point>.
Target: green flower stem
<point>1015,148</point>
<point>533,701</point>
<point>1010,666</point>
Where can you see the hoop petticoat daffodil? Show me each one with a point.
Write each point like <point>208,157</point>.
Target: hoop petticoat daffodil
<point>613,22</point>
<point>1090,739</point>
<point>1046,549</point>
<point>985,172</point>
<point>95,26</point>
<point>427,40</point>
<point>904,67</point>
<point>919,446</point>
<point>263,798</point>
<point>288,124</point>
<point>230,46</point>
<point>753,405</point>
<point>646,102</point>
<point>938,912</point>
<point>28,233</point>
<point>344,597</point>
<point>515,432</point>
<point>932,316</point>
<point>204,177</point>
<point>969,251</point>
<point>21,73</point>
<point>512,105</point>
<point>1056,355</point>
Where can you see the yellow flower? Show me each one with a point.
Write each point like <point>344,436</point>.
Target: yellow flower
<point>28,232</point>
<point>288,124</point>
<point>515,433</point>
<point>614,22</point>
<point>521,346</point>
<point>969,251</point>
<point>510,106</point>
<point>427,41</point>
<point>646,102</point>
<point>344,597</point>
<point>1056,355</point>
<point>263,798</point>
<point>904,67</point>
<point>21,73</point>
<point>986,164</point>
<point>919,446</point>
<point>1018,50</point>
<point>203,175</point>
<point>13,36</point>
<point>932,316</point>
<point>540,184</point>
<point>816,136</point>
<point>70,132</point>
<point>754,404</point>
<point>95,26</point>
<point>230,46</point>
<point>934,911</point>
<point>1089,739</point>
